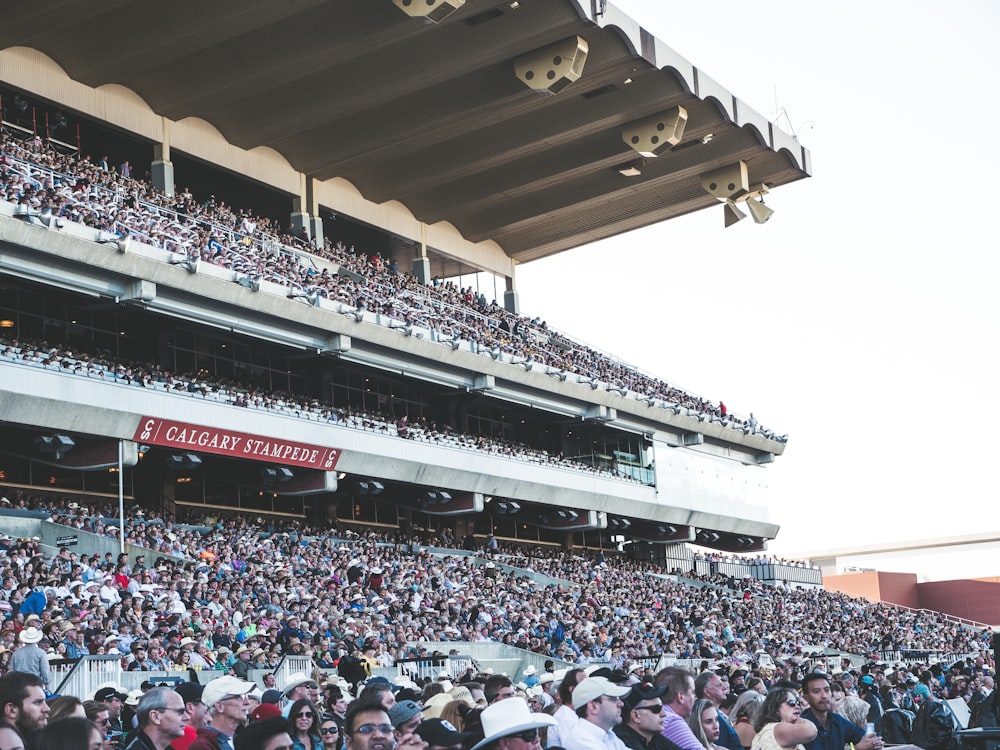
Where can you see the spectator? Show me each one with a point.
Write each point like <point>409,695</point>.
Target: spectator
<point>228,706</point>
<point>329,730</point>
<point>29,657</point>
<point>367,727</point>
<point>642,719</point>
<point>161,715</point>
<point>779,724</point>
<point>834,732</point>
<point>744,715</point>
<point>65,707</point>
<point>598,703</point>
<point>510,725</point>
<point>678,700</point>
<point>70,733</point>
<point>270,734</point>
<point>710,686</point>
<point>704,723</point>
<point>22,703</point>
<point>303,726</point>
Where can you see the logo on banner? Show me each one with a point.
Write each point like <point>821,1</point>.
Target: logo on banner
<point>166,432</point>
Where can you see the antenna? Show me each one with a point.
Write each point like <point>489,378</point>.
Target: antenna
<point>783,119</point>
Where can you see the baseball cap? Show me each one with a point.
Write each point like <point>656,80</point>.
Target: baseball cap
<point>643,692</point>
<point>107,693</point>
<point>271,696</point>
<point>219,688</point>
<point>191,692</point>
<point>593,688</point>
<point>441,732</point>
<point>402,711</point>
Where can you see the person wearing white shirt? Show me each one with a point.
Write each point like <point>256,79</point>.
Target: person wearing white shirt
<point>598,703</point>
<point>565,716</point>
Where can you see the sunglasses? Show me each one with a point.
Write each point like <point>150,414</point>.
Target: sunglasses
<point>528,735</point>
<point>372,728</point>
<point>793,702</point>
<point>330,730</point>
<point>654,709</point>
<point>304,715</point>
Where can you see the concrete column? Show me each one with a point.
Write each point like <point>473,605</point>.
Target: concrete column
<point>422,269</point>
<point>421,264</point>
<point>511,300</point>
<point>162,169</point>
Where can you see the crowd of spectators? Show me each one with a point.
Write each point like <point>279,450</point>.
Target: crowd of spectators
<point>74,188</point>
<point>323,592</point>
<point>202,386</point>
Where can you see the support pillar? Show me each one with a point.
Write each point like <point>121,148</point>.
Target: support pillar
<point>511,300</point>
<point>162,169</point>
<point>305,213</point>
<point>421,265</point>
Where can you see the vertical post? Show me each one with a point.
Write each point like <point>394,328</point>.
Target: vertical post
<point>121,494</point>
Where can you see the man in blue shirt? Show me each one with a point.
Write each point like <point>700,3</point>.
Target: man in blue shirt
<point>834,731</point>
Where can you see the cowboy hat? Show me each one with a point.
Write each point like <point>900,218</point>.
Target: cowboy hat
<point>509,717</point>
<point>30,635</point>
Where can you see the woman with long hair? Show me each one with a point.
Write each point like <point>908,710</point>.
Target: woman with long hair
<point>65,707</point>
<point>744,716</point>
<point>704,722</point>
<point>303,726</point>
<point>779,725</point>
<point>329,730</point>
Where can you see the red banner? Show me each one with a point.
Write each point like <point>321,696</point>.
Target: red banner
<point>195,437</point>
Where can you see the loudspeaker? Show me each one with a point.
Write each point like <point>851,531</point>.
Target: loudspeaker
<point>653,135</point>
<point>727,183</point>
<point>996,646</point>
<point>550,69</point>
<point>434,11</point>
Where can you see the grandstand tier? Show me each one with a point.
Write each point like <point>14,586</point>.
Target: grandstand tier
<point>127,301</point>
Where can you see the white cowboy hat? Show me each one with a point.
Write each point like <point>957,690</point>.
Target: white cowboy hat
<point>509,717</point>
<point>30,634</point>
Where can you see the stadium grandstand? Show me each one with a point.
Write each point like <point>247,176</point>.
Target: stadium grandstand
<point>257,422</point>
<point>289,252</point>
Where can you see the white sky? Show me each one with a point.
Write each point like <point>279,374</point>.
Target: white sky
<point>862,318</point>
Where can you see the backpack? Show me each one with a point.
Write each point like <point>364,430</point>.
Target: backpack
<point>934,727</point>
<point>895,726</point>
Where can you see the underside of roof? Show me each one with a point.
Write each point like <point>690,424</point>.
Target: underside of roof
<point>428,114</point>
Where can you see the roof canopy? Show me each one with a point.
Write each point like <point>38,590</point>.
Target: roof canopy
<point>434,115</point>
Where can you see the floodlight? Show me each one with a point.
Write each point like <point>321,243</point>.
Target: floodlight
<point>186,262</point>
<point>759,211</point>
<point>57,445</point>
<point>732,214</point>
<point>249,282</point>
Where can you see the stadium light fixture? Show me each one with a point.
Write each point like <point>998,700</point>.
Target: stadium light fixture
<point>42,218</point>
<point>357,314</point>
<point>406,328</point>
<point>249,282</point>
<point>550,69</point>
<point>652,136</point>
<point>110,238</point>
<point>451,341</point>
<point>434,11</point>
<point>732,214</point>
<point>759,211</point>
<point>368,487</point>
<point>56,445</point>
<point>183,462</point>
<point>275,475</point>
<point>617,389</point>
<point>310,298</point>
<point>186,262</point>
